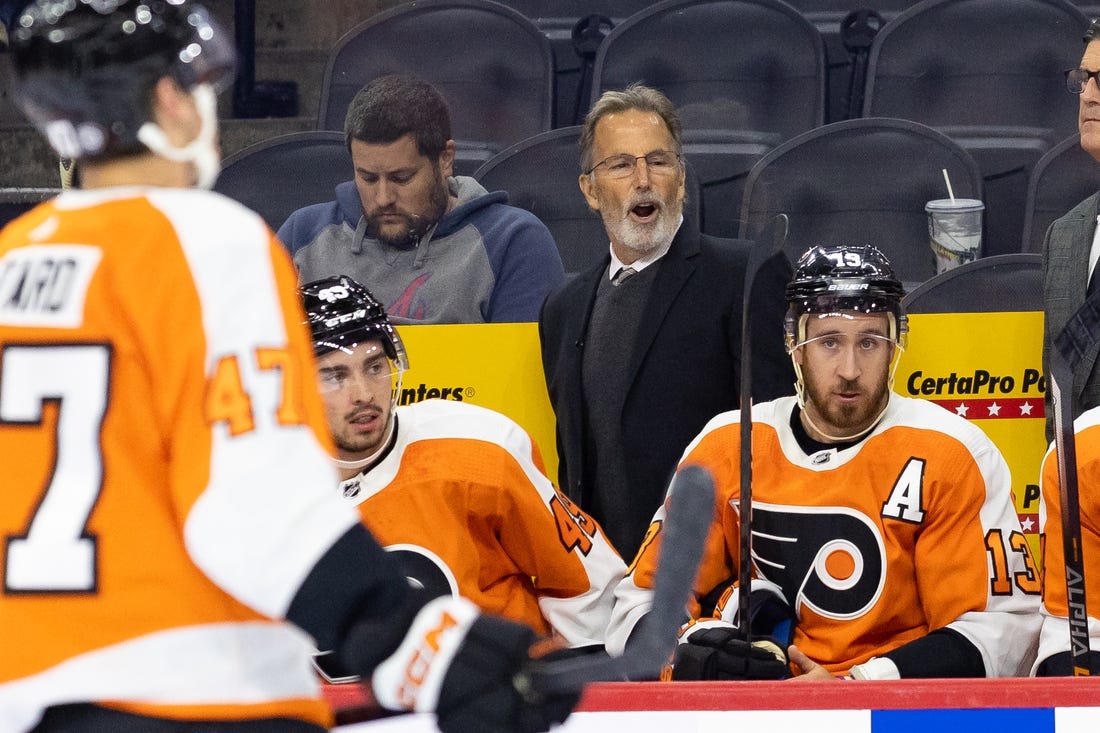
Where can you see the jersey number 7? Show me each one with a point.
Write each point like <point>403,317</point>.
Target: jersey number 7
<point>55,552</point>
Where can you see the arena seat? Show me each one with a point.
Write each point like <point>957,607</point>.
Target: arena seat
<point>1001,283</point>
<point>988,73</point>
<point>1064,177</point>
<point>277,176</point>
<point>492,65</point>
<point>862,181</point>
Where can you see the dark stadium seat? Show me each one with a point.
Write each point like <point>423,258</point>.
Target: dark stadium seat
<point>1062,178</point>
<point>847,66</point>
<point>540,175</point>
<point>275,177</point>
<point>989,74</point>
<point>745,75</point>
<point>14,202</point>
<point>491,64</point>
<point>862,181</point>
<point>727,64</point>
<point>1002,283</point>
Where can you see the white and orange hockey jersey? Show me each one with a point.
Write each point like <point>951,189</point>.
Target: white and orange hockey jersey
<point>463,498</point>
<point>166,484</point>
<point>1054,637</point>
<point>908,531</point>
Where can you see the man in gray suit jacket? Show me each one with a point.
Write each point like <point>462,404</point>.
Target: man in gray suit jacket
<point>1072,245</point>
<point>642,350</point>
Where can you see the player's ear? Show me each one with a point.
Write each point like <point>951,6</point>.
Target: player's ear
<point>174,111</point>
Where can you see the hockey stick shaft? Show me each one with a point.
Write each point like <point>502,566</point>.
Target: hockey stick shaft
<point>689,515</point>
<point>1077,339</point>
<point>761,253</point>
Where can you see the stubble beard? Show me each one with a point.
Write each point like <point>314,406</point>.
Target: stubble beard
<point>416,226</point>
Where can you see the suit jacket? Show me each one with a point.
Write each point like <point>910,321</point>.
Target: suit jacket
<point>1065,283</point>
<point>686,364</point>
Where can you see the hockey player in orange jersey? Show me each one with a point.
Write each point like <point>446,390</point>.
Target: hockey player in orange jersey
<point>882,526</point>
<point>170,548</point>
<point>456,490</point>
<point>1054,658</point>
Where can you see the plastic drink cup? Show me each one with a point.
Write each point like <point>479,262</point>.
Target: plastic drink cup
<point>954,231</point>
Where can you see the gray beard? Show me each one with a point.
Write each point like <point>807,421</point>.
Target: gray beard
<point>643,239</point>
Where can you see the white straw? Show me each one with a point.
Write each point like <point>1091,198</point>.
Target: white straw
<point>947,180</point>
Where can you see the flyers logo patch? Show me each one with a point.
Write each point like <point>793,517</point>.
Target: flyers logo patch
<point>830,559</point>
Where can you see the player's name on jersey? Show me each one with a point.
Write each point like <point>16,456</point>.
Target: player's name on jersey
<point>45,285</point>
<point>978,382</point>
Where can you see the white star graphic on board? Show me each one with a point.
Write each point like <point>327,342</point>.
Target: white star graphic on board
<point>961,409</point>
<point>994,409</point>
<point>1027,525</point>
<point>1025,409</point>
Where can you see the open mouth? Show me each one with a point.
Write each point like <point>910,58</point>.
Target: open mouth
<point>644,212</point>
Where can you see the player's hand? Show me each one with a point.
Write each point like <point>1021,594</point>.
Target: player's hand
<point>713,650</point>
<point>479,693</point>
<point>808,668</point>
<point>463,665</point>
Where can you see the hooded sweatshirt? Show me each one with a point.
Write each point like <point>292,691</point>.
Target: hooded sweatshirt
<point>482,262</point>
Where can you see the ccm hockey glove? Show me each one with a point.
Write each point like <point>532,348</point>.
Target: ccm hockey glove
<point>462,665</point>
<point>713,650</point>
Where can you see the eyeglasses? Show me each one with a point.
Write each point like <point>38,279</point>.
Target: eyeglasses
<point>658,163</point>
<point>1078,79</point>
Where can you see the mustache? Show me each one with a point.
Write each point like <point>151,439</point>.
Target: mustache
<point>644,199</point>
<point>369,411</point>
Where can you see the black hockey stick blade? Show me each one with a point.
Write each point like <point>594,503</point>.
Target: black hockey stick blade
<point>1077,339</point>
<point>690,511</point>
<point>761,253</point>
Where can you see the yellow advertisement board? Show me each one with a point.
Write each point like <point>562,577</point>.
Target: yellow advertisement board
<point>986,367</point>
<point>494,365</point>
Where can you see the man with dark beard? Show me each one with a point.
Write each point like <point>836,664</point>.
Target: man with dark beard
<point>435,248</point>
<point>455,490</point>
<point>635,367</point>
<point>883,525</point>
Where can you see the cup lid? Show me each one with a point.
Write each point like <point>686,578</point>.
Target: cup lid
<point>954,205</point>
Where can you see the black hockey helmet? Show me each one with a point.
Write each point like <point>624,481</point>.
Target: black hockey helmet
<point>85,69</point>
<point>342,313</point>
<point>832,279</point>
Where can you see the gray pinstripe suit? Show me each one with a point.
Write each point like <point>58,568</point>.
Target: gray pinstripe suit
<point>1065,280</point>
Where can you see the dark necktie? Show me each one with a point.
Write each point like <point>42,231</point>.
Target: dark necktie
<point>623,275</point>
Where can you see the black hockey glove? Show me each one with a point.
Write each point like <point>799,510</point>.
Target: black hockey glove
<point>712,650</point>
<point>478,693</point>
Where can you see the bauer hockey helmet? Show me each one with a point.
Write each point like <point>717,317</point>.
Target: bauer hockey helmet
<point>834,279</point>
<point>85,69</point>
<point>342,313</point>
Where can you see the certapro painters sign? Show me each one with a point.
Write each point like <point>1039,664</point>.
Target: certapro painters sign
<point>986,367</point>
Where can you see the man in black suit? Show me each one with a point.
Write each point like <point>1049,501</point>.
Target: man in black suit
<point>641,351</point>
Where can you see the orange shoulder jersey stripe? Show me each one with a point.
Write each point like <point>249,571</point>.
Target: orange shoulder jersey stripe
<point>463,497</point>
<point>166,482</point>
<point>908,531</point>
<point>1055,634</point>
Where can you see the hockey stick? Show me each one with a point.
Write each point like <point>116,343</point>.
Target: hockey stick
<point>1077,339</point>
<point>690,511</point>
<point>761,253</point>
